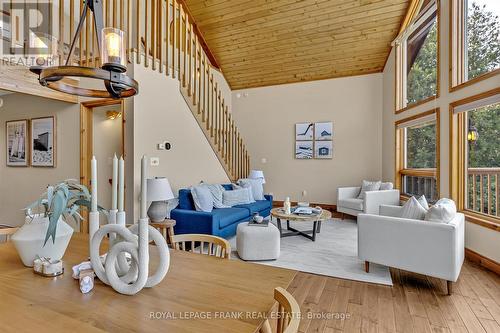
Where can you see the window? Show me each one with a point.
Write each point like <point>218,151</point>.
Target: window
<point>417,58</point>
<point>476,156</point>
<point>417,155</point>
<point>475,40</point>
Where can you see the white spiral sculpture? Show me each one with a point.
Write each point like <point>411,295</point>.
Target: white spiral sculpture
<point>125,277</point>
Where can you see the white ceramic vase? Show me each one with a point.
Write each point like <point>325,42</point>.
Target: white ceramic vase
<point>29,240</point>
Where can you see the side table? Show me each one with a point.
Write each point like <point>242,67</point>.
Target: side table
<point>166,228</point>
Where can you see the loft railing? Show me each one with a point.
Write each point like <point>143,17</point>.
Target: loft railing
<point>161,36</point>
<point>483,190</point>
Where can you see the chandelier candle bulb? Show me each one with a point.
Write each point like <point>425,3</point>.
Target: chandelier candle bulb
<point>114,184</point>
<point>121,184</point>
<point>113,52</point>
<point>144,164</point>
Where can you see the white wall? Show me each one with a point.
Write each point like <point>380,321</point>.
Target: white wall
<point>482,240</point>
<point>161,114</point>
<point>267,116</point>
<point>19,186</point>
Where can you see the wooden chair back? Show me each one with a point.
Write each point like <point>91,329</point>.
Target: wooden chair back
<point>6,232</point>
<point>203,244</point>
<point>288,311</point>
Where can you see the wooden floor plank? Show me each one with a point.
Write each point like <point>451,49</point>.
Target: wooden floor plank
<point>415,303</point>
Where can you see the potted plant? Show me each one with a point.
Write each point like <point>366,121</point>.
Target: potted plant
<point>59,202</point>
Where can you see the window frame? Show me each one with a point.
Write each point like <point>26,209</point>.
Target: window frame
<point>400,61</point>
<point>401,153</point>
<point>458,160</point>
<point>457,49</point>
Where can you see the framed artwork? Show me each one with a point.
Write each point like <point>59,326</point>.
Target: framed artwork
<point>323,149</point>
<point>43,150</point>
<point>323,131</point>
<point>17,142</point>
<point>304,131</point>
<point>303,150</point>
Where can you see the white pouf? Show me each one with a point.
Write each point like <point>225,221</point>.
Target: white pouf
<point>257,243</point>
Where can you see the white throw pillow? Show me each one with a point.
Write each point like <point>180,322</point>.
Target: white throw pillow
<point>413,210</point>
<point>216,190</point>
<point>442,212</point>
<point>386,186</point>
<point>256,185</point>
<point>236,197</point>
<point>423,202</point>
<point>248,187</point>
<point>368,186</point>
<point>203,200</point>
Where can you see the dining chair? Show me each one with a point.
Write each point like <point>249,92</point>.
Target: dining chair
<point>288,315</point>
<point>208,245</point>
<point>7,231</point>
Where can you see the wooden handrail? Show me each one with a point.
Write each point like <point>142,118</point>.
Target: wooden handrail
<point>163,36</point>
<point>483,193</point>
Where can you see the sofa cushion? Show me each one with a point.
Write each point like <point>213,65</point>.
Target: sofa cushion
<point>247,186</point>
<point>256,206</point>
<point>256,186</point>
<point>351,203</point>
<point>423,202</point>
<point>442,212</point>
<point>368,186</point>
<point>236,197</point>
<point>186,199</point>
<point>216,190</point>
<point>227,216</point>
<point>202,197</point>
<point>413,210</point>
<point>386,186</point>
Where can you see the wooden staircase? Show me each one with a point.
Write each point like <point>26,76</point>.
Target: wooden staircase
<point>163,37</point>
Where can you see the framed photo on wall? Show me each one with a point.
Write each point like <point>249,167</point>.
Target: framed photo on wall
<point>17,142</point>
<point>304,131</point>
<point>43,149</point>
<point>323,149</point>
<point>323,131</point>
<point>303,150</point>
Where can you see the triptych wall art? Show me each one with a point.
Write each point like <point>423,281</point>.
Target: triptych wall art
<point>31,142</point>
<point>314,140</point>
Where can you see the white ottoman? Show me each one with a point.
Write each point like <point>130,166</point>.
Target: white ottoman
<point>257,243</point>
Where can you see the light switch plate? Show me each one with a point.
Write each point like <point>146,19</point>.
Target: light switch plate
<point>155,161</point>
<point>161,146</point>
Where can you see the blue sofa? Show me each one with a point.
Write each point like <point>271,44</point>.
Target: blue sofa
<point>220,222</point>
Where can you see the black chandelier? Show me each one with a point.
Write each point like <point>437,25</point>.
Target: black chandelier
<point>111,46</point>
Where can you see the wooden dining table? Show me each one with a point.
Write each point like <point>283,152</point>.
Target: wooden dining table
<point>199,294</point>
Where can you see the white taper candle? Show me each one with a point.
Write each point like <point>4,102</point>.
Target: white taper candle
<point>114,184</point>
<point>144,190</point>
<point>93,184</point>
<point>121,184</point>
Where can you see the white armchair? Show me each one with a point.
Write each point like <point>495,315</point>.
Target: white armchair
<point>348,202</point>
<point>424,247</point>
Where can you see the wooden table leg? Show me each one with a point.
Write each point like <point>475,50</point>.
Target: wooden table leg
<point>279,225</point>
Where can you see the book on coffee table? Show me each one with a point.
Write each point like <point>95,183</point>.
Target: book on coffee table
<point>264,223</point>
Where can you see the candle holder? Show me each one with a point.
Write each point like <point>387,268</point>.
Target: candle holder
<point>127,277</point>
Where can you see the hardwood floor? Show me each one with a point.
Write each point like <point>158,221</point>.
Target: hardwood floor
<point>415,303</point>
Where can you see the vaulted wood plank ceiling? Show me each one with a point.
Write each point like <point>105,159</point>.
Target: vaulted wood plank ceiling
<point>268,42</point>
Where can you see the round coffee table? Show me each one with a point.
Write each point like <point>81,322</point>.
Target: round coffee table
<point>279,214</point>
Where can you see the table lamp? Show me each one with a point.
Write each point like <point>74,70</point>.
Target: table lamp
<point>257,174</point>
<point>158,192</point>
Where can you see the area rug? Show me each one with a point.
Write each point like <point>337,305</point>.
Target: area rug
<point>334,253</point>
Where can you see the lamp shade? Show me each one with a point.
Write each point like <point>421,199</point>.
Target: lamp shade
<point>257,174</point>
<point>159,189</point>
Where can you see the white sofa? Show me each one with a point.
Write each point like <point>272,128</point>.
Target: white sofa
<point>348,202</point>
<point>429,248</point>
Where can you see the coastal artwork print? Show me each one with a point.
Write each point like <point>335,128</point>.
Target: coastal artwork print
<point>323,149</point>
<point>303,150</point>
<point>323,131</point>
<point>304,131</point>
<point>42,142</point>
<point>17,142</point>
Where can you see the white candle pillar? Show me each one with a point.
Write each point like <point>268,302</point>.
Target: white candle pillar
<point>121,184</point>
<point>114,184</point>
<point>144,191</point>
<point>93,183</point>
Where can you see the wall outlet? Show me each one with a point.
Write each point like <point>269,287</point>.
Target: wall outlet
<point>304,193</point>
<point>263,160</point>
<point>155,161</point>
